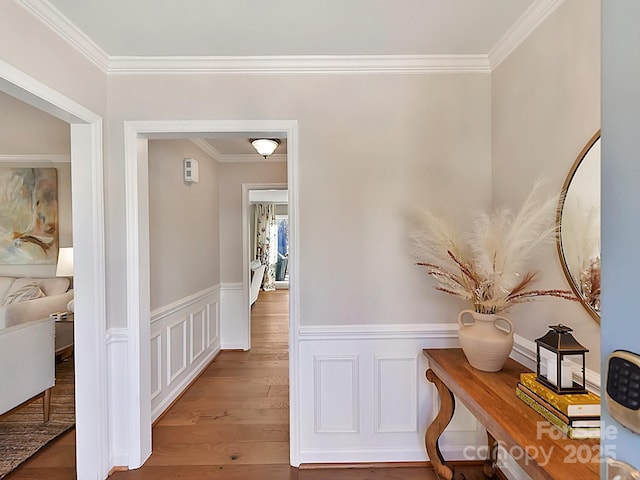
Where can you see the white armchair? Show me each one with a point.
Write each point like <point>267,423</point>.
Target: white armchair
<point>27,364</point>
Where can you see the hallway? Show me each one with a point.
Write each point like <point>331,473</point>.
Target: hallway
<point>235,417</point>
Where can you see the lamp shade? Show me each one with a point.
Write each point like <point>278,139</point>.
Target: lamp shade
<point>65,262</point>
<point>265,146</point>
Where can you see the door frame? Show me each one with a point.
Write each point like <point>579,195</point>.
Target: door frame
<point>246,248</point>
<point>88,225</point>
<point>137,248</point>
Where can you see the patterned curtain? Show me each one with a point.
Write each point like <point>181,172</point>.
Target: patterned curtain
<point>266,248</point>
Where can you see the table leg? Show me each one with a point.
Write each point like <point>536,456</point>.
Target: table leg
<point>489,467</point>
<point>447,407</point>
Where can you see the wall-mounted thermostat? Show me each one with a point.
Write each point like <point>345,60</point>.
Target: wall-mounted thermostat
<point>623,388</point>
<point>190,170</point>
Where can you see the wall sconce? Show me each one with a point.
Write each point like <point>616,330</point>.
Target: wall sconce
<point>265,146</point>
<point>557,354</point>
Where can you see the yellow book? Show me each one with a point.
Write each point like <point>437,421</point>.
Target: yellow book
<point>572,404</point>
<point>568,430</point>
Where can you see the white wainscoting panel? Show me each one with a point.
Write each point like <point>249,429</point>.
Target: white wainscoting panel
<point>156,365</point>
<point>235,332</point>
<point>364,396</point>
<point>213,325</point>
<point>197,333</point>
<point>184,339</point>
<point>396,394</point>
<point>336,393</point>
<point>176,335</point>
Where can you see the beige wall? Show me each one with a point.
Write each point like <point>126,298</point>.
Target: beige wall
<point>27,130</point>
<point>184,245</point>
<point>232,176</point>
<point>545,108</point>
<point>371,147</point>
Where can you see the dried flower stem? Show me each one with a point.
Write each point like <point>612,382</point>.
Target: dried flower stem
<point>488,270</point>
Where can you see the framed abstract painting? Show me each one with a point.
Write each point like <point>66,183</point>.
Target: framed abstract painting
<point>28,216</point>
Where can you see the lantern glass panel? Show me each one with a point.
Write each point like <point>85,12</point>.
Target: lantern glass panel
<point>548,361</point>
<point>575,361</point>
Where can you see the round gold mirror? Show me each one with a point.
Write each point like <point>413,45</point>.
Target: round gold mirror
<point>578,223</point>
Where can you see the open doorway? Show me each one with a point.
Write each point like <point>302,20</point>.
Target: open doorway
<point>234,305</point>
<point>268,233</point>
<point>90,343</point>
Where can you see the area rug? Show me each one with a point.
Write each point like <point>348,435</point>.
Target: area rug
<point>23,432</point>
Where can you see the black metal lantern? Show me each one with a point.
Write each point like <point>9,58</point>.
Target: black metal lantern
<point>558,356</point>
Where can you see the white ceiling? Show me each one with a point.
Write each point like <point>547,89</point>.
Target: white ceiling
<point>292,27</point>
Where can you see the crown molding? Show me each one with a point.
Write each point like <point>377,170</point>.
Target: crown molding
<point>35,159</point>
<point>278,65</point>
<point>530,20</point>
<point>51,16</point>
<point>311,64</point>
<point>253,158</point>
<point>207,148</point>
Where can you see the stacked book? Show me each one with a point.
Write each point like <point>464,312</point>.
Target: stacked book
<point>576,415</point>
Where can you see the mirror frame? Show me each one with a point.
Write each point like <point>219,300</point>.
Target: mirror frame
<point>563,193</point>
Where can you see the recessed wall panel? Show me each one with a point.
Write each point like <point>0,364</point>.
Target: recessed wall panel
<point>213,320</point>
<point>156,365</point>
<point>176,349</point>
<point>198,334</point>
<point>336,394</point>
<point>396,394</point>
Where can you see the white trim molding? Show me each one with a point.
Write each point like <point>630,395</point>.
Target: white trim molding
<point>117,339</point>
<point>302,64</point>
<point>61,25</point>
<point>136,135</point>
<point>373,332</point>
<point>530,20</point>
<point>36,159</point>
<point>293,64</point>
<point>252,158</point>
<point>92,369</point>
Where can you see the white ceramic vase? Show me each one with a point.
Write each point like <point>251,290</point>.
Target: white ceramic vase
<point>485,342</point>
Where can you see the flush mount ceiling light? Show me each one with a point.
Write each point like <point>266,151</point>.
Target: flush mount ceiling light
<point>265,146</point>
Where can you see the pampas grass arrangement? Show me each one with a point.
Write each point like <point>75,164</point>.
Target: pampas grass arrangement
<point>487,264</point>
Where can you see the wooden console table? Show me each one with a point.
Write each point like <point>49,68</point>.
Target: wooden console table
<point>509,422</point>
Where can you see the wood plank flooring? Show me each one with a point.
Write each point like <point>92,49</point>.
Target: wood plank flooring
<point>231,424</point>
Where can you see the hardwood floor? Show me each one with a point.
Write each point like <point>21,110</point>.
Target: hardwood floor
<point>231,424</point>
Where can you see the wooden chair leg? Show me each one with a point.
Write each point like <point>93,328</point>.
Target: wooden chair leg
<point>46,404</point>
<point>447,407</point>
<point>489,467</point>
